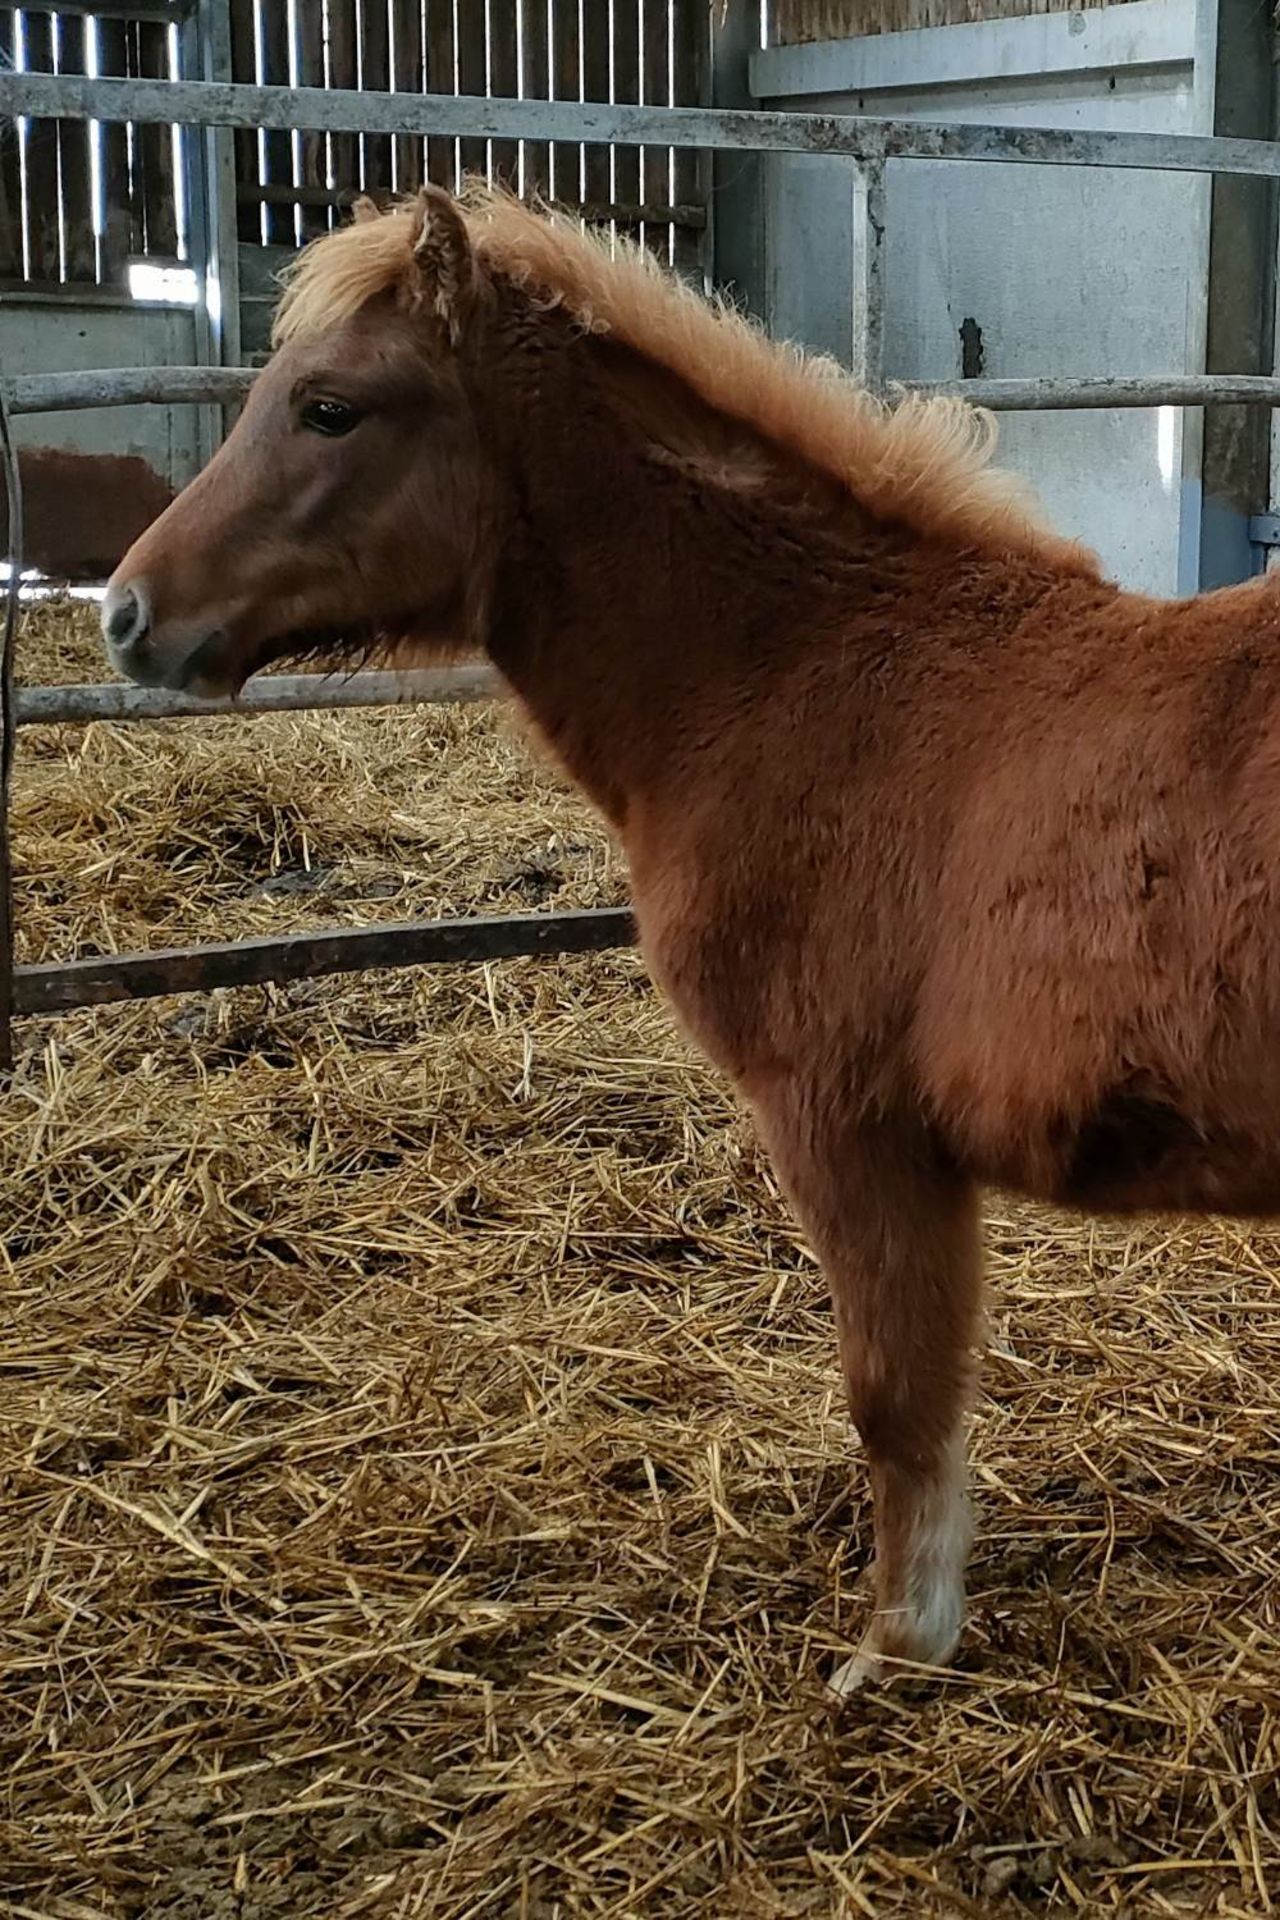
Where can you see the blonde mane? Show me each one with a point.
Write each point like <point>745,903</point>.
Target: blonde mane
<point>924,462</point>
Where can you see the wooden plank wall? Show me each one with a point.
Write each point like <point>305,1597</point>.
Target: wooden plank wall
<point>795,22</point>
<point>54,231</point>
<point>627,50</point>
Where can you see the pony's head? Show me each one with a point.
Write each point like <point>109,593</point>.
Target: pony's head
<point>363,497</point>
<point>343,511</point>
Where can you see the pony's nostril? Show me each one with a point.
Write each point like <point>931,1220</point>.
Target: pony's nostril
<point>124,617</point>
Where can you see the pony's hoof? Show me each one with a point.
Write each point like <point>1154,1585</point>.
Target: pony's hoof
<point>884,1658</point>
<point>865,1668</point>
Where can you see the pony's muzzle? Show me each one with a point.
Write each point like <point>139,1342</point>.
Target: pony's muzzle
<point>126,622</point>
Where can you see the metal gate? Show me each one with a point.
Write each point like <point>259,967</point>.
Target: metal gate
<point>505,124</point>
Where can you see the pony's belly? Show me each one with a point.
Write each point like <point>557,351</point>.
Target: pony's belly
<point>1141,1155</point>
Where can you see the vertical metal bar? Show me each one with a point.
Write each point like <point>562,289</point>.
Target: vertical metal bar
<point>1240,295</point>
<point>735,207</point>
<point>868,273</point>
<point>13,496</point>
<point>210,160</point>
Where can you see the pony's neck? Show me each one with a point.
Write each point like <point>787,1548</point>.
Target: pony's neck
<point>658,557</point>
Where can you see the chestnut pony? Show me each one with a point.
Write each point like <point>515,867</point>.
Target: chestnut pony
<point>961,863</point>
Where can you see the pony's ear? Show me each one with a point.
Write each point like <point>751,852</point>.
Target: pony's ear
<point>363,209</point>
<point>444,260</point>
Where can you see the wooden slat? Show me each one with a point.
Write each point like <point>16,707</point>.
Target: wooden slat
<point>79,252</point>
<point>344,148</point>
<point>244,70</point>
<point>11,261</point>
<point>471,79</point>
<point>42,164</point>
<point>655,169</point>
<point>156,147</point>
<point>273,19</point>
<point>504,80</point>
<point>441,153</point>
<point>407,74</point>
<point>314,168</point>
<point>375,77</point>
<point>692,36</point>
<point>117,191</point>
<point>626,89</point>
<point>566,157</point>
<point>535,84</point>
<point>595,86</point>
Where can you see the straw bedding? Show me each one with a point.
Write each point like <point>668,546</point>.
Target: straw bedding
<point>425,1483</point>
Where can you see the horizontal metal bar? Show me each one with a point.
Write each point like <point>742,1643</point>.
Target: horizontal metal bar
<point>272,693</point>
<point>1146,390</point>
<point>200,103</point>
<point>1264,529</point>
<point>124,387</point>
<point>247,963</point>
<point>130,386</point>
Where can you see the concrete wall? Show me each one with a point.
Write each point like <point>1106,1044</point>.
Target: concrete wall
<point>85,510</point>
<point>1051,270</point>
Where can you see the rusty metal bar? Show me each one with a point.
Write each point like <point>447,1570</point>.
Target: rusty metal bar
<point>1153,390</point>
<point>135,386</point>
<point>222,104</point>
<point>272,693</point>
<point>125,387</point>
<point>8,730</point>
<point>57,987</point>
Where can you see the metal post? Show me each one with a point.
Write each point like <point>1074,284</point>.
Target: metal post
<point>736,201</point>
<point>211,195</point>
<point>1241,259</point>
<point>13,494</point>
<point>868,274</point>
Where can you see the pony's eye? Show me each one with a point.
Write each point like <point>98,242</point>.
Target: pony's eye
<point>333,417</point>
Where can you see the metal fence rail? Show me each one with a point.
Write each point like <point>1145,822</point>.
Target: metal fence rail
<point>202,103</point>
<point>134,386</point>
<point>866,142</point>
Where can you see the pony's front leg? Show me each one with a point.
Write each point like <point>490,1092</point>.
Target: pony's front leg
<point>896,1231</point>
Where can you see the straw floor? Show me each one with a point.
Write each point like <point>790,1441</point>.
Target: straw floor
<point>425,1484</point>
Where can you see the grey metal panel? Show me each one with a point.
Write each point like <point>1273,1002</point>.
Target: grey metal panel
<point>1063,275</point>
<point>1142,33</point>
<point>56,336</point>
